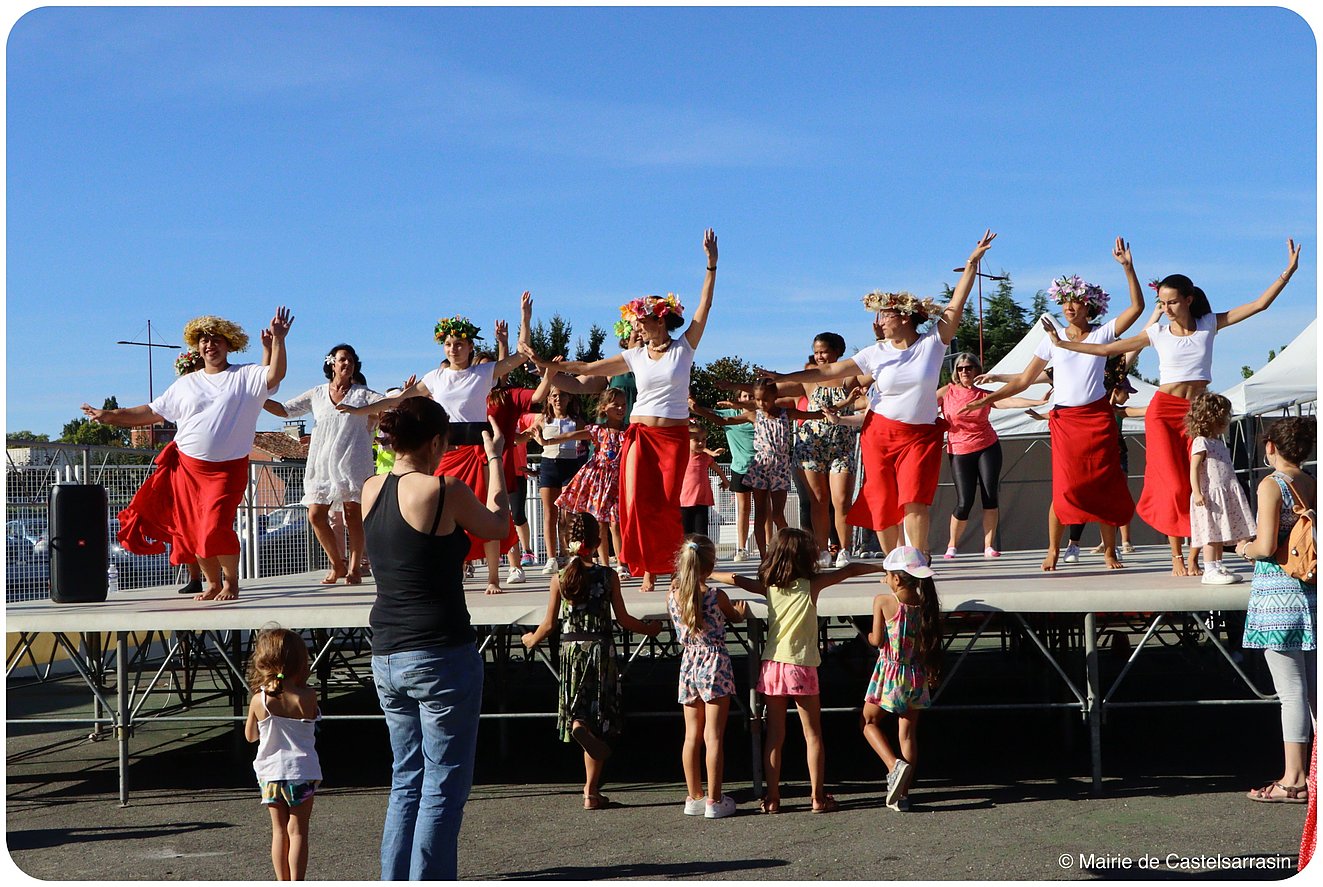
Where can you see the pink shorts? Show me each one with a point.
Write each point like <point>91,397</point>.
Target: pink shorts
<point>787,679</point>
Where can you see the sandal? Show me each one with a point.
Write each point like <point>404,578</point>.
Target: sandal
<point>1295,794</point>
<point>828,806</point>
<point>767,805</point>
<point>595,802</point>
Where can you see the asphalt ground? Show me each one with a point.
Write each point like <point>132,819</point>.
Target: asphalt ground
<point>1000,795</point>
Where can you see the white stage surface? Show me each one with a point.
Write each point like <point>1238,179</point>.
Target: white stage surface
<point>1012,583</point>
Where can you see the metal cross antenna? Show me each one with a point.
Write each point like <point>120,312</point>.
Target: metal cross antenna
<point>980,275</point>
<point>149,345</point>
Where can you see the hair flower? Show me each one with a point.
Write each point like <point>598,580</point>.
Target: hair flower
<point>1076,289</point>
<point>458,326</point>
<point>651,306</point>
<point>901,302</point>
<point>187,362</point>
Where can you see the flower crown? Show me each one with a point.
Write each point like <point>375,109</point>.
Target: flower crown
<point>623,329</point>
<point>1076,289</point>
<point>652,306</point>
<point>458,326</point>
<point>901,302</point>
<point>187,362</point>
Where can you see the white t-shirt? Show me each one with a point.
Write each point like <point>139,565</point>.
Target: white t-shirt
<point>1077,379</point>
<point>663,384</point>
<point>904,380</point>
<point>462,393</point>
<point>553,429</point>
<point>217,412</point>
<point>1185,358</point>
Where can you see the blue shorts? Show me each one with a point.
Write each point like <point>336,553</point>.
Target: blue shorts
<point>291,794</point>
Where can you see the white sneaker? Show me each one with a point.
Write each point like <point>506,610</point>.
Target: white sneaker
<point>1072,554</point>
<point>740,556</point>
<point>1216,577</point>
<point>516,576</point>
<point>898,780</point>
<point>550,567</point>
<point>824,560</point>
<point>694,806</point>
<point>842,559</point>
<point>721,809</point>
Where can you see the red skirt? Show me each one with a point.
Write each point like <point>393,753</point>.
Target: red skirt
<point>902,463</point>
<point>187,502</point>
<point>1165,502</point>
<point>652,464</point>
<point>1088,484</point>
<point>468,464</point>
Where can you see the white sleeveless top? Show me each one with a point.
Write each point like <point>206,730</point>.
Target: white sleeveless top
<point>1185,358</point>
<point>1077,379</point>
<point>553,429</point>
<point>663,384</point>
<point>462,393</point>
<point>286,748</point>
<point>904,380</point>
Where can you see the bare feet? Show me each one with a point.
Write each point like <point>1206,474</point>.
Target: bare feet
<point>649,582</point>
<point>353,577</point>
<point>1050,562</point>
<point>1112,561</point>
<point>226,592</point>
<point>338,572</point>
<point>1178,566</point>
<point>493,588</point>
<point>1192,563</point>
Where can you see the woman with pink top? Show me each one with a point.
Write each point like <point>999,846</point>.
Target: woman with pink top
<point>974,450</point>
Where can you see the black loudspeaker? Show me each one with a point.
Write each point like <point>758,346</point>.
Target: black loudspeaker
<point>79,543</point>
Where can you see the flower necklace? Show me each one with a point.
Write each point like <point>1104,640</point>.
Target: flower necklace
<point>660,349</point>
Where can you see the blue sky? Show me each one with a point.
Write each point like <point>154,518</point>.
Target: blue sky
<point>378,168</point>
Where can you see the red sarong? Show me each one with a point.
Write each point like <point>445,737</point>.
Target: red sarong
<point>1088,484</point>
<point>1165,502</point>
<point>468,464</point>
<point>902,463</point>
<point>652,464</point>
<point>187,502</point>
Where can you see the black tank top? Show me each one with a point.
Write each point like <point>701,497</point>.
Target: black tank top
<point>420,579</point>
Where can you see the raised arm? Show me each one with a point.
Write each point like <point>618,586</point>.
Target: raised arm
<point>949,322</point>
<point>1127,318</point>
<point>280,324</point>
<point>698,322</point>
<point>502,340</point>
<point>1236,315</point>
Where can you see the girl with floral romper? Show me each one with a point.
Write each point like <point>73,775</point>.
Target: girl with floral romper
<point>707,681</point>
<point>584,596</point>
<point>595,489</point>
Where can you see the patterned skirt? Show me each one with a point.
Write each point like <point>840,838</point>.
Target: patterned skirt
<point>1281,611</point>
<point>898,687</point>
<point>589,689</point>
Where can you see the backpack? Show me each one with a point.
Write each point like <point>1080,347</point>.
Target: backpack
<point>1297,554</point>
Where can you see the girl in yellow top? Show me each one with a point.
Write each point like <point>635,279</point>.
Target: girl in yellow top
<point>790,581</point>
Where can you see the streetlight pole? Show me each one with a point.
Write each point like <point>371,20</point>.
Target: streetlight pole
<point>149,345</point>
<point>981,276</point>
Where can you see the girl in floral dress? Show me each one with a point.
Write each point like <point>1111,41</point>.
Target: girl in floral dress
<point>907,630</point>
<point>707,681</point>
<point>595,489</point>
<point>1219,510</point>
<point>585,595</point>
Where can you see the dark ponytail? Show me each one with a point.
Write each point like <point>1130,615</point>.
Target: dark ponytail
<point>583,529</point>
<point>928,639</point>
<point>1185,287</point>
<point>408,426</point>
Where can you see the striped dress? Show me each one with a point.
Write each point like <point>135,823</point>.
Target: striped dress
<point>1281,609</point>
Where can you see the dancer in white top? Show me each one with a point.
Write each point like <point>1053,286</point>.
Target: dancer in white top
<point>1185,367</point>
<point>902,440</point>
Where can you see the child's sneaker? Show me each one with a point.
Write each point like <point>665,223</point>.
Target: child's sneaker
<point>1072,554</point>
<point>526,559</point>
<point>740,556</point>
<point>550,567</point>
<point>902,805</point>
<point>898,780</point>
<point>720,809</point>
<point>694,806</point>
<point>516,576</point>
<point>1236,577</point>
<point>842,559</point>
<point>991,552</point>
<point>1217,577</point>
<point>950,553</point>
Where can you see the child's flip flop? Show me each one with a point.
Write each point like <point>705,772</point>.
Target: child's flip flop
<point>828,806</point>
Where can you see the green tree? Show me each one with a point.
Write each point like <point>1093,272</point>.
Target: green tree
<point>1004,323</point>
<point>29,436</point>
<point>548,340</point>
<point>85,431</point>
<point>703,389</point>
<point>593,350</point>
<point>1246,371</point>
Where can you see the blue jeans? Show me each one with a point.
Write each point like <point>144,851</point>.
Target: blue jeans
<point>431,699</point>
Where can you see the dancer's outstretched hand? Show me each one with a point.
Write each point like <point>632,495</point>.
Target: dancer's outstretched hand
<point>1121,252</point>
<point>502,330</point>
<point>527,350</point>
<point>984,244</point>
<point>710,247</point>
<point>526,304</point>
<point>281,323</point>
<point>1051,331</point>
<point>1293,249</point>
<point>493,441</point>
<point>92,412</point>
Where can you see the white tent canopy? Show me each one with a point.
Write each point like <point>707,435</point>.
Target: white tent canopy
<point>1018,423</point>
<point>1291,378</point>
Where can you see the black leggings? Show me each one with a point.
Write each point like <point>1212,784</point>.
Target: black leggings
<point>982,468</point>
<point>694,519</point>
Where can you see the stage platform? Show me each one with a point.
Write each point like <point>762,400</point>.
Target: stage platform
<point>990,593</point>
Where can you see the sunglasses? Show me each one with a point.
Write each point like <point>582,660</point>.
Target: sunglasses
<point>964,369</point>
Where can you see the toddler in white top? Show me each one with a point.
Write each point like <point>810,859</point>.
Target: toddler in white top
<point>282,719</point>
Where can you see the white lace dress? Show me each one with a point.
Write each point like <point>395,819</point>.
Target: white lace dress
<point>340,455</point>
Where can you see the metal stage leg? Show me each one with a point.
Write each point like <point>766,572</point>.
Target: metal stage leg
<point>123,725</point>
<point>755,713</point>
<point>1093,682</point>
